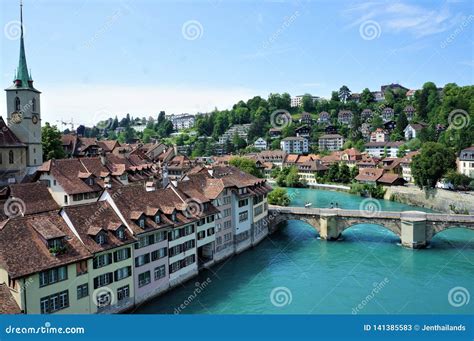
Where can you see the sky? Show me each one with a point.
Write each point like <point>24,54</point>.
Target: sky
<point>92,59</point>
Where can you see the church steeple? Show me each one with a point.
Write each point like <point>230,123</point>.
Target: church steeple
<point>22,77</point>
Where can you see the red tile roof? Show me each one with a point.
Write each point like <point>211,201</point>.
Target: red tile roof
<point>7,137</point>
<point>8,304</point>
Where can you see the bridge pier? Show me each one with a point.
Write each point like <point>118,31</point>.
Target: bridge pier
<point>413,233</point>
<point>328,227</point>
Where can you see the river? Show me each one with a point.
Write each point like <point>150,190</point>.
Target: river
<point>368,272</point>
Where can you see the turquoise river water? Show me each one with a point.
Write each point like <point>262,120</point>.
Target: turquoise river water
<point>368,272</point>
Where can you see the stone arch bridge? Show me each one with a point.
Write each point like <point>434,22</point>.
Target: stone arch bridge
<point>415,228</point>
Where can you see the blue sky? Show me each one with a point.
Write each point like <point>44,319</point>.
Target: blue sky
<point>91,58</point>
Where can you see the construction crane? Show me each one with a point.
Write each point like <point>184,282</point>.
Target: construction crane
<point>64,123</point>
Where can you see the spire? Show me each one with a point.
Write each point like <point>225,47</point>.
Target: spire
<point>22,77</point>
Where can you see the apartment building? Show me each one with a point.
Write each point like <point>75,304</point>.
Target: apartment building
<point>39,265</point>
<point>383,149</point>
<point>331,142</point>
<point>110,271</point>
<point>294,145</point>
<point>466,162</point>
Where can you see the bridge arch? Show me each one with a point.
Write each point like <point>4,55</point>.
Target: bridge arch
<point>310,220</point>
<point>440,228</point>
<point>392,226</point>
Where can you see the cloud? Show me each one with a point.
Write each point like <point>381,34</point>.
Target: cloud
<point>87,104</point>
<point>399,17</point>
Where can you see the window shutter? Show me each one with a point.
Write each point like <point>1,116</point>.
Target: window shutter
<point>115,256</point>
<point>129,252</point>
<point>96,283</point>
<point>109,255</point>
<point>136,262</point>
<point>151,239</point>
<point>116,275</point>
<point>94,263</point>
<point>129,270</point>
<point>111,277</point>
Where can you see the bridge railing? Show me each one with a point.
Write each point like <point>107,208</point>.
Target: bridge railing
<point>373,214</point>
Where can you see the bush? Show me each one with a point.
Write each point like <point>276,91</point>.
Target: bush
<point>279,196</point>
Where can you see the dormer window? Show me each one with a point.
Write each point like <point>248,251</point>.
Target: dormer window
<point>55,243</point>
<point>157,219</point>
<point>90,181</point>
<point>173,216</point>
<point>121,234</point>
<point>101,239</point>
<point>141,223</point>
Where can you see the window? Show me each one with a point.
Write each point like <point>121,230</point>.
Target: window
<point>243,202</point>
<point>201,235</point>
<point>122,254</point>
<point>173,216</point>
<point>227,224</point>
<point>210,219</point>
<point>210,231</point>
<point>82,291</point>
<point>144,279</point>
<point>201,222</point>
<point>53,276</point>
<point>142,260</point>
<point>189,230</point>
<point>81,268</point>
<point>55,243</point>
<point>160,272</point>
<point>11,158</point>
<point>158,254</point>
<point>17,104</point>
<point>33,105</point>
<point>121,234</point>
<point>141,223</point>
<point>103,280</point>
<point>157,219</point>
<point>160,236</point>
<point>102,260</point>
<point>228,237</point>
<point>55,302</point>
<point>122,273</point>
<point>219,240</point>
<point>227,200</point>
<point>258,210</point>
<point>243,216</point>
<point>142,242</point>
<point>226,212</point>
<point>101,239</point>
<point>1,159</point>
<point>123,293</point>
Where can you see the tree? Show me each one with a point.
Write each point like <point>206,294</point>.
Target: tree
<point>278,196</point>
<point>402,123</point>
<point>344,93</point>
<point>51,141</point>
<point>344,174</point>
<point>333,172</point>
<point>247,165</point>
<point>238,142</point>
<point>293,178</point>
<point>431,164</point>
<point>367,97</point>
<point>308,103</point>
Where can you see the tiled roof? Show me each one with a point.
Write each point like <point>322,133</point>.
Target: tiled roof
<point>35,196</point>
<point>7,137</point>
<point>389,178</point>
<point>369,174</point>
<point>330,136</point>
<point>8,304</point>
<point>384,144</point>
<point>66,172</point>
<point>98,215</point>
<point>24,250</point>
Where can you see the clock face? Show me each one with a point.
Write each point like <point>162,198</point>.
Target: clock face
<point>17,117</point>
<point>34,119</point>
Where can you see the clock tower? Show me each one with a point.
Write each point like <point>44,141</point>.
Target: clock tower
<point>23,109</point>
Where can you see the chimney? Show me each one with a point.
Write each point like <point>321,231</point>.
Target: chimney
<point>150,186</point>
<point>164,175</point>
<point>102,158</point>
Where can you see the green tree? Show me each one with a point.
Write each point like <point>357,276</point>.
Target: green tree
<point>431,164</point>
<point>51,141</point>
<point>344,93</point>
<point>308,103</point>
<point>293,178</point>
<point>366,97</point>
<point>247,165</point>
<point>344,174</point>
<point>278,196</point>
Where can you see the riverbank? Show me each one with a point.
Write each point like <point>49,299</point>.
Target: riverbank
<point>328,187</point>
<point>436,199</point>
